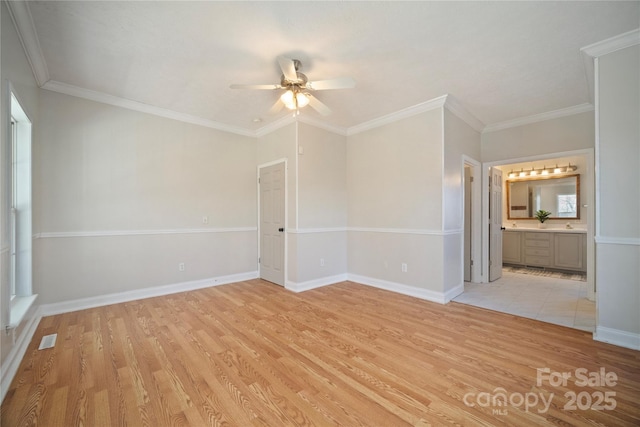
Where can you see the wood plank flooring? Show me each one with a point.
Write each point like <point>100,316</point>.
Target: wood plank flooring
<point>254,354</point>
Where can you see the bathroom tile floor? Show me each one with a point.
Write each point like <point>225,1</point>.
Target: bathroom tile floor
<point>552,300</point>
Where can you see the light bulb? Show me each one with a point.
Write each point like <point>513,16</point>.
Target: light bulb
<point>288,100</point>
<point>302,99</point>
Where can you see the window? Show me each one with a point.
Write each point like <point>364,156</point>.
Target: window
<point>567,205</point>
<point>17,208</point>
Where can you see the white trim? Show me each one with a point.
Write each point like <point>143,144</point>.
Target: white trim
<point>104,98</point>
<point>398,115</point>
<point>297,176</point>
<point>549,115</point>
<point>476,217</point>
<point>617,337</point>
<point>67,234</point>
<point>404,231</point>
<point>23,21</point>
<point>11,363</point>
<point>19,308</point>
<point>621,41</point>
<point>317,230</point>
<point>399,288</point>
<point>155,291</point>
<point>453,292</point>
<point>608,240</point>
<point>443,168</point>
<point>274,126</point>
<point>454,106</point>
<point>315,283</point>
<point>317,123</point>
<point>596,171</point>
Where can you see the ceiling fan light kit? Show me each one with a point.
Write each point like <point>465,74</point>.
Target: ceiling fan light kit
<point>297,85</point>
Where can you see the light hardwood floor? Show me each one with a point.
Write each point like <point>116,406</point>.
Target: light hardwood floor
<point>254,354</point>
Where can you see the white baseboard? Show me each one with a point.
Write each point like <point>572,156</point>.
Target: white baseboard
<point>617,337</point>
<point>11,363</point>
<point>316,283</point>
<point>452,293</point>
<point>98,301</point>
<point>412,291</point>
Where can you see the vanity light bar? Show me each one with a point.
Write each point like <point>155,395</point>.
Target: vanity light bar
<point>544,171</point>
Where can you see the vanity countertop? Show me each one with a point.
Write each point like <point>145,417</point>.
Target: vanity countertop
<point>546,230</point>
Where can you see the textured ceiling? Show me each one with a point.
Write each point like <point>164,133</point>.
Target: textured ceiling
<point>500,60</point>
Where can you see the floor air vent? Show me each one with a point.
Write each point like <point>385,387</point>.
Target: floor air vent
<point>48,341</point>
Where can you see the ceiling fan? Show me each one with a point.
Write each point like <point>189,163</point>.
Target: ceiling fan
<point>298,88</point>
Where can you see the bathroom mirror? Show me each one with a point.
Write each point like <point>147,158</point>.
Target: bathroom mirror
<point>558,195</point>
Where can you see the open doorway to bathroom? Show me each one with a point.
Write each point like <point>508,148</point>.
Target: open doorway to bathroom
<point>548,273</point>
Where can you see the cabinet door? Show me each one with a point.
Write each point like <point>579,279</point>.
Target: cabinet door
<point>512,247</point>
<point>568,250</point>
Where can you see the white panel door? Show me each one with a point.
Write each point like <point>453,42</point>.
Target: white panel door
<point>495,224</point>
<point>467,223</point>
<point>272,187</point>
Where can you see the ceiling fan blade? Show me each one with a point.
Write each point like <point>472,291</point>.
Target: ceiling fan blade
<point>261,87</point>
<point>338,83</point>
<point>288,68</point>
<point>275,108</point>
<point>318,106</point>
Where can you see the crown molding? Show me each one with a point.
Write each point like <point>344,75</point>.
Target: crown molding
<point>274,126</point>
<point>453,105</point>
<point>319,124</point>
<point>23,21</point>
<point>104,98</point>
<point>555,114</point>
<point>592,51</point>
<point>613,44</point>
<point>398,115</point>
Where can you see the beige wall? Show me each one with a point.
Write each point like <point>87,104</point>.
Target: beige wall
<point>394,182</point>
<point>569,133</point>
<point>121,197</point>
<point>279,145</point>
<point>618,198</point>
<point>14,68</point>
<point>460,140</point>
<point>322,179</point>
<point>394,174</point>
<point>321,238</point>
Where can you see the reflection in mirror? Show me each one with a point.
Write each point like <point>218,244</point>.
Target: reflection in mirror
<point>559,195</point>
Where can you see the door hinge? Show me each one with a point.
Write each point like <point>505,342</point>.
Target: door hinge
<point>471,179</point>
<point>490,263</point>
<point>471,262</point>
<point>258,180</point>
<point>258,260</point>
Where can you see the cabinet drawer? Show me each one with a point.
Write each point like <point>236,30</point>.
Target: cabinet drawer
<point>537,243</point>
<point>538,252</point>
<point>537,236</point>
<point>542,261</point>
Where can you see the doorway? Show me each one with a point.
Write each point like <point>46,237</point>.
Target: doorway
<point>472,221</point>
<point>525,294</point>
<point>272,219</point>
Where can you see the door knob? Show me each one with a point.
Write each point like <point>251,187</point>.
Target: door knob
<point>502,228</point>
<point>281,229</point>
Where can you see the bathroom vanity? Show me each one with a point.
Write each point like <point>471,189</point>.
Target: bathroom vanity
<point>559,249</point>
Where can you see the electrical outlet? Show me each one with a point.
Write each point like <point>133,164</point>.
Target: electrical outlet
<point>321,262</point>
<point>205,219</point>
<point>404,267</point>
<point>181,266</point>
